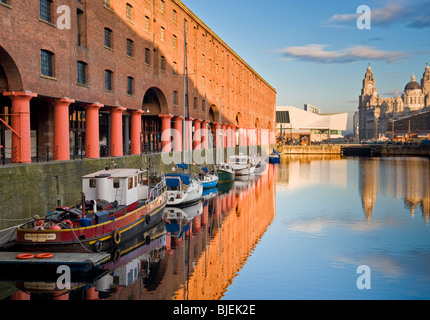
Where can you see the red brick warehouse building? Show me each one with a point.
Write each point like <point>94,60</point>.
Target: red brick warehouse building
<point>109,80</point>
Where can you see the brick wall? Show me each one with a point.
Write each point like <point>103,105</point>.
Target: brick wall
<point>23,34</point>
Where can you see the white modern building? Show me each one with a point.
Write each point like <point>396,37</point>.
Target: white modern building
<point>304,127</point>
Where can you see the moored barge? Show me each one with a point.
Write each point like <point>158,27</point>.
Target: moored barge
<point>116,204</point>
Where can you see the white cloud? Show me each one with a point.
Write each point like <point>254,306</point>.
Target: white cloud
<point>317,53</point>
<point>412,14</point>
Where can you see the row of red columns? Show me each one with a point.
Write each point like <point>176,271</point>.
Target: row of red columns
<point>246,136</point>
<point>21,141</point>
<point>21,137</point>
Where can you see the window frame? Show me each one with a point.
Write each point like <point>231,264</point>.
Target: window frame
<point>108,38</point>
<point>130,85</point>
<point>130,48</point>
<point>163,63</point>
<point>147,56</point>
<point>47,56</point>
<point>129,12</point>
<point>162,34</point>
<point>175,98</point>
<point>109,84</point>
<point>46,14</point>
<point>81,64</point>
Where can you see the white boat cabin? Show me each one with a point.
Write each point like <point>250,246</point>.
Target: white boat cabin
<point>125,186</point>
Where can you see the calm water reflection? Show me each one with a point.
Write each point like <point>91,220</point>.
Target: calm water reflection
<point>303,239</point>
<point>334,215</point>
<point>194,253</point>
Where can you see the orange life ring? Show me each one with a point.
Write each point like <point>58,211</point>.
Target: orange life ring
<point>25,256</point>
<point>44,255</point>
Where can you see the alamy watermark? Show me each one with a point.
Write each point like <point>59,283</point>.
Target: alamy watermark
<point>206,147</point>
<point>64,20</point>
<point>64,280</point>
<point>364,280</point>
<point>363,21</point>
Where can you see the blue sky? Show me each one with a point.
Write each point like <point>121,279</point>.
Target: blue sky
<point>313,52</point>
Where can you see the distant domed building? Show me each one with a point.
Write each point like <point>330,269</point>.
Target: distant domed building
<point>374,112</point>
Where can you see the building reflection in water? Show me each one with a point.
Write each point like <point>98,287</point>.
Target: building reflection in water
<point>194,253</point>
<point>399,178</point>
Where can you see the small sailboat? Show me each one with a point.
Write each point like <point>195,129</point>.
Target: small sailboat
<point>242,164</point>
<point>208,179</point>
<point>182,188</point>
<point>260,167</point>
<point>178,219</point>
<point>274,157</point>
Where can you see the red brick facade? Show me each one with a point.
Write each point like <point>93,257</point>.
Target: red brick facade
<point>146,50</point>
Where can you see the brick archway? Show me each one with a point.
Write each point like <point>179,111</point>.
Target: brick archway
<point>155,102</point>
<point>10,77</point>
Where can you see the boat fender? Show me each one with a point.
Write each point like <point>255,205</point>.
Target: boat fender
<point>23,256</point>
<point>148,218</point>
<point>98,246</point>
<point>38,228</point>
<point>116,237</point>
<point>44,255</point>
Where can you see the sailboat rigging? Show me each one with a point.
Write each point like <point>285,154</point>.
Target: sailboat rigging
<point>182,187</point>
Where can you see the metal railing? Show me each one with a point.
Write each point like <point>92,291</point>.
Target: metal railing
<point>47,153</point>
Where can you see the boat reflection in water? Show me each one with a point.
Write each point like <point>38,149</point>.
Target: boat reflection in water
<point>194,253</point>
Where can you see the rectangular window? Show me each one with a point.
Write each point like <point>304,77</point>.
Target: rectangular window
<point>175,16</point>
<point>130,45</point>
<point>116,183</point>
<point>203,105</point>
<point>46,63</point>
<point>130,183</point>
<point>175,41</point>
<point>162,6</point>
<point>175,98</point>
<point>82,72</point>
<point>162,34</point>
<point>108,80</point>
<point>108,38</point>
<point>146,24</point>
<point>130,82</point>
<point>163,63</point>
<point>45,10</point>
<point>129,12</point>
<point>82,32</point>
<point>147,56</point>
<point>195,103</point>
<point>175,69</point>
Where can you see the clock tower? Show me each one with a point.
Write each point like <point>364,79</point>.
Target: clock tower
<point>368,83</point>
<point>368,100</point>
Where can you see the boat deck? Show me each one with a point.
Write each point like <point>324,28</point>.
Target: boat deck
<point>82,262</point>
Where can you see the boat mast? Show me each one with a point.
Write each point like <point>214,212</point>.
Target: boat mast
<point>220,151</point>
